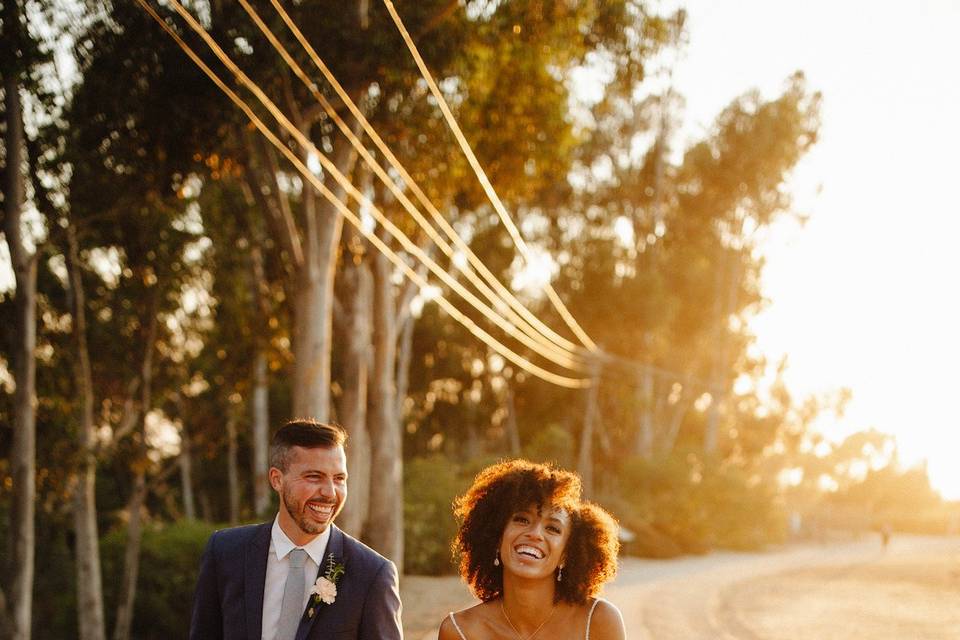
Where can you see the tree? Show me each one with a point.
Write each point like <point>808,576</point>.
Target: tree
<point>19,57</point>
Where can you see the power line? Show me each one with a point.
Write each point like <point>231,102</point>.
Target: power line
<point>563,360</point>
<point>351,217</point>
<point>505,302</point>
<point>484,181</point>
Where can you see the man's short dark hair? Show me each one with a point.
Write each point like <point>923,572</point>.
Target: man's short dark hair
<point>306,433</point>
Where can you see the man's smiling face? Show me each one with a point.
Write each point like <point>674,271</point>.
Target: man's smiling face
<point>312,488</point>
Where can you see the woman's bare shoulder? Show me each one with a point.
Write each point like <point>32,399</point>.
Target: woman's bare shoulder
<point>606,622</point>
<point>465,618</point>
<point>447,630</point>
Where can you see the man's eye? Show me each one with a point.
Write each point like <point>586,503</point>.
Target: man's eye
<point>521,519</point>
<point>553,529</point>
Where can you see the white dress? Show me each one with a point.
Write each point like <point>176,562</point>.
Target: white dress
<point>453,619</point>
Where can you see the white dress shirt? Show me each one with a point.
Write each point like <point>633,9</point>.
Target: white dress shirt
<point>278,564</point>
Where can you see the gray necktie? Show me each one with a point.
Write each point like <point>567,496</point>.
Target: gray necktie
<point>292,609</point>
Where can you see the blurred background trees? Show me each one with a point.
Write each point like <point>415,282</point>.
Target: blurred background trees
<point>193,290</point>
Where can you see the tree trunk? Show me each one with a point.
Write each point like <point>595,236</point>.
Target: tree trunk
<point>313,297</point>
<point>185,461</point>
<point>404,358</point>
<point>591,410</point>
<point>513,429</point>
<point>89,583</point>
<point>473,447</point>
<point>676,420</point>
<point>356,336</point>
<point>645,404</point>
<point>713,413</point>
<point>233,477</point>
<point>260,382</point>
<point>719,391</point>
<point>386,495</point>
<point>260,433</point>
<point>406,323</point>
<point>186,479</point>
<point>131,555</point>
<point>22,539</point>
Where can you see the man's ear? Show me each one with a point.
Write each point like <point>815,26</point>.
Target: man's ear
<point>276,477</point>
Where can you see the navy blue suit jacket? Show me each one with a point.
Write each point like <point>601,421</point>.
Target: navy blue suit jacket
<point>228,604</point>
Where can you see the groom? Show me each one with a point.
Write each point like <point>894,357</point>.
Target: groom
<point>298,577</point>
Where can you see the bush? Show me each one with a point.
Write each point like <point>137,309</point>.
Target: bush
<point>169,560</point>
<point>682,504</point>
<point>430,485</point>
<point>552,444</point>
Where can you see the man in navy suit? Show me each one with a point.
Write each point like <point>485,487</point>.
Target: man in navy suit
<point>298,577</point>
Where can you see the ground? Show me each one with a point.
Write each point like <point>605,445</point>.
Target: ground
<point>839,591</point>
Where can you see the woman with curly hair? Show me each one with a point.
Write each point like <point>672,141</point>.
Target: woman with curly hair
<point>536,555</point>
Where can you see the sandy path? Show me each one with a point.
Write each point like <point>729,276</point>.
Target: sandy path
<point>834,592</point>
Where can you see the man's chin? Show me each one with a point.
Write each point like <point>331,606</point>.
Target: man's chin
<point>312,524</point>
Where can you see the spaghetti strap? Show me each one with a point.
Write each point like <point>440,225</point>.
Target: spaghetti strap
<point>453,619</point>
<point>589,617</point>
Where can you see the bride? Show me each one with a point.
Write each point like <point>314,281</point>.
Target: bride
<point>535,555</point>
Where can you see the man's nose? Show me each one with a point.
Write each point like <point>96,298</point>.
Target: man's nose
<point>326,488</point>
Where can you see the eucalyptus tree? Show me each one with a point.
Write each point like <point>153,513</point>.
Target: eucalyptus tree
<point>24,69</point>
<point>133,250</point>
<point>669,272</point>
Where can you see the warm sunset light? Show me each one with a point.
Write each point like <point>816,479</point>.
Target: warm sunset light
<point>864,295</point>
<point>486,319</point>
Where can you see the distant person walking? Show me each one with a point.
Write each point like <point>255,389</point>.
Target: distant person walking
<point>536,555</point>
<point>885,532</point>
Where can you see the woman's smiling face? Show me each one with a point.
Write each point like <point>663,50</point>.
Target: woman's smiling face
<point>534,541</point>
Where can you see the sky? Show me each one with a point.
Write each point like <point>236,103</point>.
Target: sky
<point>865,294</point>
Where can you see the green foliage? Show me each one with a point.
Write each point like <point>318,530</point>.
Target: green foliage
<point>430,485</point>
<point>169,559</point>
<point>554,444</point>
<point>682,504</point>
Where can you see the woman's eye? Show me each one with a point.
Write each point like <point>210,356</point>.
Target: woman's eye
<point>520,519</point>
<point>553,529</point>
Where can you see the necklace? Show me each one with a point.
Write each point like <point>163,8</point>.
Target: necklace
<point>516,631</point>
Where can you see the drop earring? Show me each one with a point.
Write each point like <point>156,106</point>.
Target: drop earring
<point>560,573</point>
<point>496,560</point>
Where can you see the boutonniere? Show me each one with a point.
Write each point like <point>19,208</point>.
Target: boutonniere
<point>325,588</point>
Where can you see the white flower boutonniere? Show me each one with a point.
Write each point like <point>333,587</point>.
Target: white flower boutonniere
<point>325,588</point>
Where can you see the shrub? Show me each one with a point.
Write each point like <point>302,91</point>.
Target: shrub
<point>552,444</point>
<point>430,485</point>
<point>169,560</point>
<point>683,504</point>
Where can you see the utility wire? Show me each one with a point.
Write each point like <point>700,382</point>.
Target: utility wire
<point>496,345</point>
<point>505,302</point>
<point>484,181</point>
<point>563,360</point>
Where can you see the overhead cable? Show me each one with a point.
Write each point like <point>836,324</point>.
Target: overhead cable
<point>564,360</point>
<point>351,217</point>
<point>484,181</point>
<point>503,300</point>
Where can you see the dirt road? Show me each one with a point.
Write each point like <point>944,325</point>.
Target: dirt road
<point>842,591</point>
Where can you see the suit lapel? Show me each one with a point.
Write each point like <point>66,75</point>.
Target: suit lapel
<point>254,577</point>
<point>335,549</point>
